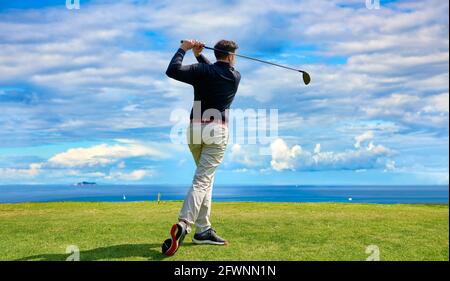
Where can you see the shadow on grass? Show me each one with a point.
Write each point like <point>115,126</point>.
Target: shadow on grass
<point>132,251</point>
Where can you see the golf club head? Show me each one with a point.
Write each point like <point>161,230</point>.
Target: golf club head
<point>306,77</point>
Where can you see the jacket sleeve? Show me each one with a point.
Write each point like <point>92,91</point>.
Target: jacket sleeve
<point>237,76</point>
<point>202,59</point>
<point>184,73</point>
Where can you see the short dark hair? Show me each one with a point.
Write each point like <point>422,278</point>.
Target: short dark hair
<point>226,46</point>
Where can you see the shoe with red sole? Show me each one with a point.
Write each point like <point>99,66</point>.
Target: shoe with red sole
<point>177,234</point>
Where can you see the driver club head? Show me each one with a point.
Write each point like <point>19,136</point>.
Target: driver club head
<point>306,77</point>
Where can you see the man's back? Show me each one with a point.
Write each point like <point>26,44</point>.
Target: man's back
<point>215,85</point>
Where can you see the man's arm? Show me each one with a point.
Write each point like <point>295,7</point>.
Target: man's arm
<point>237,76</point>
<point>197,49</point>
<point>183,73</point>
<point>202,59</point>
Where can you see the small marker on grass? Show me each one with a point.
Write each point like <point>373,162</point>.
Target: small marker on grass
<point>159,198</point>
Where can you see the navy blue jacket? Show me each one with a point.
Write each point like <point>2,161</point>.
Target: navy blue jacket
<point>215,85</point>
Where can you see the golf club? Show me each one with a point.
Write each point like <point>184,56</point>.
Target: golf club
<point>306,77</point>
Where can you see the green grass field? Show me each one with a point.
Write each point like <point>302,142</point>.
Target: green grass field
<point>256,231</point>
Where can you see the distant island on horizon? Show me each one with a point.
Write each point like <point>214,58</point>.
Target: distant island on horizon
<point>83,183</point>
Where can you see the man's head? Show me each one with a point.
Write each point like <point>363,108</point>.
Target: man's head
<point>228,46</point>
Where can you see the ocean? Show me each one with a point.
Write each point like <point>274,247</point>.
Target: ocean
<point>261,193</point>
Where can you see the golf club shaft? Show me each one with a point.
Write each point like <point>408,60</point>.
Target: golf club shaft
<point>254,59</point>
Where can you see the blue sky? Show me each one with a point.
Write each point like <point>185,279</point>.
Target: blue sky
<point>84,96</point>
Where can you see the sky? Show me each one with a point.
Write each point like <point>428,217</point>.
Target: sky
<point>84,95</point>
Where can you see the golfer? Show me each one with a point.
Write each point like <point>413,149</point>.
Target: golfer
<point>215,85</point>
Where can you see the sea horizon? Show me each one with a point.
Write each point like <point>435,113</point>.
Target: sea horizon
<point>382,194</point>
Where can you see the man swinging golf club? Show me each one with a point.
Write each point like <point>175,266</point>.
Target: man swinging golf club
<point>215,85</point>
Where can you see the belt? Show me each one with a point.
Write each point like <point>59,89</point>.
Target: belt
<point>222,122</point>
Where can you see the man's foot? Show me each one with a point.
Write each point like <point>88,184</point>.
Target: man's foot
<point>177,234</point>
<point>208,237</point>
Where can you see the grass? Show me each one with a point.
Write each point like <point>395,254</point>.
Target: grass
<point>256,231</point>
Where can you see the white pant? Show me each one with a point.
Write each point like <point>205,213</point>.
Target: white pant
<point>207,143</point>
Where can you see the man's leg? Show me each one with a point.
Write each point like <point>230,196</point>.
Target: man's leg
<point>203,223</point>
<point>214,146</point>
<point>204,233</point>
<point>196,150</point>
<point>210,158</point>
<point>180,229</point>
<point>212,149</point>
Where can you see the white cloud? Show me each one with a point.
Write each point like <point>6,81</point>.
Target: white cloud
<point>296,158</point>
<point>33,170</point>
<point>283,157</point>
<point>242,170</point>
<point>135,175</point>
<point>437,104</point>
<point>390,165</point>
<point>286,82</point>
<point>103,154</point>
<point>244,156</point>
<point>317,149</point>
<point>94,174</point>
<point>364,137</point>
<point>236,149</point>
<point>429,110</point>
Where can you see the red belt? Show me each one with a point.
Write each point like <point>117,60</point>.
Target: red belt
<point>208,121</point>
